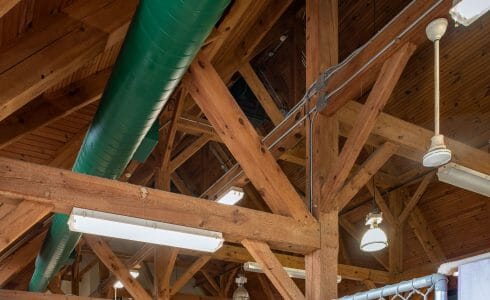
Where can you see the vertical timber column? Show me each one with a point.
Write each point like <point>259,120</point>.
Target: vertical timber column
<point>396,232</point>
<point>322,135</point>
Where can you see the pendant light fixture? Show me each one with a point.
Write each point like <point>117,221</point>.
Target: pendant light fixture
<point>374,239</point>
<point>241,293</point>
<point>438,154</point>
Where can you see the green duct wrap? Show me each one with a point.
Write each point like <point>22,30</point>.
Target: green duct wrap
<point>163,39</point>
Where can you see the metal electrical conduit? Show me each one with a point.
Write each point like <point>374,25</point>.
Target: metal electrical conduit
<point>435,282</point>
<point>162,41</point>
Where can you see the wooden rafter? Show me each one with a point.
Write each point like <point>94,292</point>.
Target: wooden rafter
<point>426,237</point>
<point>382,205</point>
<point>66,155</point>
<point>6,6</point>
<point>63,189</point>
<point>82,38</point>
<point>165,259</point>
<point>410,205</point>
<point>20,295</point>
<point>46,111</point>
<point>142,253</point>
<point>379,95</point>
<point>395,249</point>
<point>261,93</point>
<point>165,147</point>
<point>23,256</point>
<point>118,268</point>
<point>273,269</point>
<point>183,156</point>
<point>365,172</point>
<point>214,285</point>
<point>233,127</point>
<point>266,288</point>
<point>20,220</point>
<point>188,274</point>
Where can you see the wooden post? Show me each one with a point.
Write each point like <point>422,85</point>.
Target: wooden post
<point>395,250</point>
<point>322,135</point>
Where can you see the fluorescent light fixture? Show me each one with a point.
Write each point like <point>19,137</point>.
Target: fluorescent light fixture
<point>141,230</point>
<point>118,284</point>
<point>465,178</point>
<point>293,273</point>
<point>231,196</point>
<point>375,238</point>
<point>466,12</point>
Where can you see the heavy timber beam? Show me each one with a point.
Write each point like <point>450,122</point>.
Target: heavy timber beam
<point>233,127</point>
<point>322,133</point>
<point>73,40</point>
<point>414,139</point>
<point>22,295</point>
<point>165,259</point>
<point>406,27</point>
<point>379,95</point>
<point>22,257</point>
<point>189,273</point>
<point>65,190</point>
<point>20,220</point>
<point>44,111</point>
<point>6,6</point>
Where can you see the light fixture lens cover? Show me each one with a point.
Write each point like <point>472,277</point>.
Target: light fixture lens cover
<point>231,196</point>
<point>374,240</point>
<point>465,178</point>
<point>466,12</point>
<point>141,230</point>
<point>438,154</point>
<point>436,157</point>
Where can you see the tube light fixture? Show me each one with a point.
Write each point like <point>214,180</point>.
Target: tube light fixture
<point>375,238</point>
<point>466,12</point>
<point>141,230</point>
<point>293,273</point>
<point>465,178</point>
<point>231,196</point>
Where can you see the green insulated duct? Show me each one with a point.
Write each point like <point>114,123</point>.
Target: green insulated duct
<point>163,39</point>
